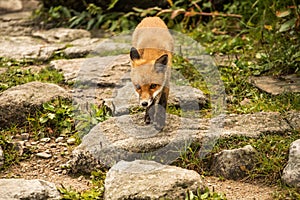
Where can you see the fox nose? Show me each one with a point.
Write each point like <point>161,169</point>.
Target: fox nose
<point>144,103</point>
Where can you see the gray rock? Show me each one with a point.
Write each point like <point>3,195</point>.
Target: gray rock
<point>1,157</point>
<point>16,189</point>
<point>234,164</point>
<point>290,83</point>
<point>81,162</point>
<point>293,118</point>
<point>18,102</point>
<point>69,67</point>
<point>61,34</point>
<point>15,24</point>
<point>46,140</point>
<point>30,5</point>
<point>143,179</point>
<point>187,97</point>
<point>97,70</point>
<point>23,47</point>
<point>59,139</point>
<point>71,141</point>
<point>82,47</point>
<point>11,5</point>
<point>291,173</point>
<point>128,138</point>
<point>253,125</point>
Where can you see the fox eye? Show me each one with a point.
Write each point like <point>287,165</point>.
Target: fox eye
<point>153,86</point>
<point>138,87</point>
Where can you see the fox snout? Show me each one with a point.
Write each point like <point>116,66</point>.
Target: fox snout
<point>145,103</point>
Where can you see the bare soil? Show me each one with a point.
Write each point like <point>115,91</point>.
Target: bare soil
<point>49,170</point>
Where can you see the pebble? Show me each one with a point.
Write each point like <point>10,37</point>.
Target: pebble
<point>45,140</point>
<point>71,141</point>
<point>28,144</point>
<point>53,145</point>
<point>80,178</point>
<point>44,155</point>
<point>34,142</point>
<point>59,139</point>
<point>62,144</point>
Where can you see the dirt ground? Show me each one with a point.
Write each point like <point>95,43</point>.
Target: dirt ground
<point>49,170</point>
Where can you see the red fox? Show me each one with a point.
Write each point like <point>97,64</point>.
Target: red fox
<point>151,57</point>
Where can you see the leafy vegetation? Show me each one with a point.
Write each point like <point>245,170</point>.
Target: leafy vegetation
<point>15,74</point>
<point>206,194</point>
<point>271,158</point>
<point>96,192</point>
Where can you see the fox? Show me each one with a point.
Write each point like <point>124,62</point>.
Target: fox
<point>151,59</point>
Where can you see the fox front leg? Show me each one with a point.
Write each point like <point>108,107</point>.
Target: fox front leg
<point>147,118</point>
<point>160,112</point>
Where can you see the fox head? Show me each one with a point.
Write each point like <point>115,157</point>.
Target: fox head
<point>148,76</point>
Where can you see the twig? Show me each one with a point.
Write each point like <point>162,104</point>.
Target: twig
<point>214,14</point>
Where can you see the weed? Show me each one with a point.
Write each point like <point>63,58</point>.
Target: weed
<point>89,117</point>
<point>56,118</point>
<point>96,192</point>
<point>204,194</point>
<point>10,150</point>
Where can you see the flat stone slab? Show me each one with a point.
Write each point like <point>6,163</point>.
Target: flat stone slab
<point>253,125</point>
<point>293,117</point>
<point>18,102</point>
<point>96,70</point>
<point>82,47</point>
<point>290,83</point>
<point>24,47</point>
<point>16,189</point>
<point>61,34</point>
<point>126,137</point>
<point>143,179</point>
<point>10,5</point>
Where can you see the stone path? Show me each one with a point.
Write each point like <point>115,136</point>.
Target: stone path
<point>138,156</point>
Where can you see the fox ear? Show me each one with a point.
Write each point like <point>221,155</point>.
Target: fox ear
<point>134,54</point>
<point>161,63</point>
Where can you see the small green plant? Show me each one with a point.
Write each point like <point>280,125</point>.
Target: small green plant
<point>54,119</point>
<point>88,118</point>
<point>10,150</point>
<point>96,192</point>
<point>286,193</point>
<point>204,194</point>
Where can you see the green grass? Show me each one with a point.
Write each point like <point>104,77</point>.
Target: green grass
<point>96,191</point>
<point>11,154</point>
<point>272,157</point>
<point>15,74</point>
<point>205,194</point>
